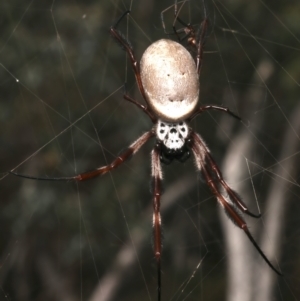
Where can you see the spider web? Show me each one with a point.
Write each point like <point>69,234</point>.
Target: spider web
<point>62,113</point>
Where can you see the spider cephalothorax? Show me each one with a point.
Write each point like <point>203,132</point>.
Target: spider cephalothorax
<point>173,140</point>
<point>168,79</point>
<point>172,135</point>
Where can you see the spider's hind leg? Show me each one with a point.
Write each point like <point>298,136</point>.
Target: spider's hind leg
<point>125,44</point>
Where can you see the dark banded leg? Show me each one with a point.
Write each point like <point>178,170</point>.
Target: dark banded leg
<point>195,39</point>
<point>207,166</point>
<point>216,174</point>
<point>156,180</point>
<point>125,155</point>
<point>212,107</point>
<point>200,44</point>
<point>140,106</point>
<point>128,48</point>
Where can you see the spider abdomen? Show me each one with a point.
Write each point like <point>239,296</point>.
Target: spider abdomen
<point>170,80</point>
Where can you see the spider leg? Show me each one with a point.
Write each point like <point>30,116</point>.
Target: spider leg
<point>213,107</point>
<point>156,180</point>
<point>231,193</point>
<point>216,174</point>
<point>188,29</point>
<point>200,41</point>
<point>140,106</point>
<point>206,166</point>
<point>125,155</point>
<point>195,40</point>
<point>175,31</point>
<point>129,50</point>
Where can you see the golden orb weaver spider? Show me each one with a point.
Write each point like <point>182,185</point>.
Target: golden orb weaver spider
<point>168,80</point>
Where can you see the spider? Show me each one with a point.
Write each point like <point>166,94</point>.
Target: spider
<point>168,79</point>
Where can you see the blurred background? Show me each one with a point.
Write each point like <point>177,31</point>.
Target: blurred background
<point>62,113</point>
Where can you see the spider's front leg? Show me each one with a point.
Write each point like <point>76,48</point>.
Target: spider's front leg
<point>125,155</point>
<point>230,202</point>
<point>156,182</point>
